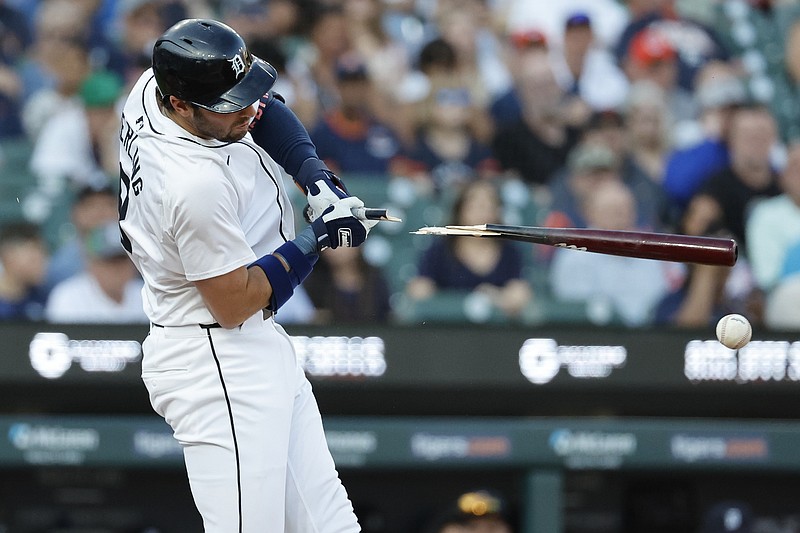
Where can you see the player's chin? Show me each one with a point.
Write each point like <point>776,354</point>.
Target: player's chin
<point>236,134</point>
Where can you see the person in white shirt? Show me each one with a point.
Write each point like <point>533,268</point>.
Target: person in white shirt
<point>623,288</point>
<point>107,291</point>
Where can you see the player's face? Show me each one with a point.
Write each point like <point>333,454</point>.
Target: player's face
<point>225,127</point>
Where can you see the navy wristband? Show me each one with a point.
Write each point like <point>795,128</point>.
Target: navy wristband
<point>282,282</point>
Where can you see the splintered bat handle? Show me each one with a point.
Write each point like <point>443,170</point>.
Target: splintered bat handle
<point>370,213</point>
<point>363,213</point>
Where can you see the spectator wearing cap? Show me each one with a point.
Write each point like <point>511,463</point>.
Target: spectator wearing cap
<point>23,263</point>
<point>108,291</point>
<point>480,511</point>
<point>536,145</point>
<point>648,143</point>
<point>648,129</point>
<point>588,166</point>
<point>506,108</point>
<point>652,56</point>
<point>693,43</point>
<point>586,69</point>
<point>719,93</point>
<point>609,17</point>
<point>631,139</point>
<point>349,138</point>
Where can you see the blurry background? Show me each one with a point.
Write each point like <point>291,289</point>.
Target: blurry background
<point>462,381</point>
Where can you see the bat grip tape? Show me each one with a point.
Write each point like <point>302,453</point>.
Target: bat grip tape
<point>285,268</point>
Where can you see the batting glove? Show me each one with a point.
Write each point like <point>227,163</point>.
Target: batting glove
<point>323,187</point>
<point>339,227</point>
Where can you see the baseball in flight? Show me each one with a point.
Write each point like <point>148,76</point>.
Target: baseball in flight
<point>734,331</point>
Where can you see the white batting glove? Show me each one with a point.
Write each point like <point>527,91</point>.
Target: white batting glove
<point>323,187</point>
<point>338,226</point>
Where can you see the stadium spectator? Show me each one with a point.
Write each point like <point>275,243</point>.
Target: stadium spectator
<point>651,56</point>
<point>387,61</point>
<point>719,92</point>
<point>586,69</point>
<point>609,17</point>
<point>436,66</point>
<point>490,267</point>
<point>462,23</point>
<point>56,65</point>
<point>446,154</point>
<point>590,164</point>
<point>23,263</point>
<point>615,130</point>
<point>479,511</point>
<point>349,138</point>
<point>108,291</point>
<point>14,41</point>
<point>290,85</point>
<point>647,130</point>
<point>773,227</point>
<point>319,58</point>
<point>346,289</point>
<point>91,207</point>
<point>506,108</point>
<point>137,24</point>
<point>537,145</point>
<point>627,288</point>
<point>79,147</point>
<point>694,44</point>
<point>725,199</point>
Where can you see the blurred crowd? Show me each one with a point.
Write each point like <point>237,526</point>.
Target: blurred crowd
<point>646,115</point>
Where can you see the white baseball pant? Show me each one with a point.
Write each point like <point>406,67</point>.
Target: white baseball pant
<point>244,412</point>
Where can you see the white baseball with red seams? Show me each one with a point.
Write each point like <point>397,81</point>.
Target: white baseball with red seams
<point>734,331</point>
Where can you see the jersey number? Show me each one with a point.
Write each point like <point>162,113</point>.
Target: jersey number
<point>122,206</point>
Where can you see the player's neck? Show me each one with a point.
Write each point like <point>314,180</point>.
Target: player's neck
<point>178,119</point>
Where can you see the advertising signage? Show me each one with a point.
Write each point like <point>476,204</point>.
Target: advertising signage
<point>440,369</point>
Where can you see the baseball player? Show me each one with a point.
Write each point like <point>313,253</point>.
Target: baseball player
<point>206,219</point>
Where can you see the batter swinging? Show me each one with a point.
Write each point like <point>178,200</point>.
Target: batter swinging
<point>205,218</point>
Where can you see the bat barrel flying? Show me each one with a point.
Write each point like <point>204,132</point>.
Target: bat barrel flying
<point>644,245</point>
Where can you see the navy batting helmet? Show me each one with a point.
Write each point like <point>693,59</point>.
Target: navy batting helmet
<point>207,63</point>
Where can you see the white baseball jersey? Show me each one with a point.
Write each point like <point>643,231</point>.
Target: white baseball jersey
<point>181,221</point>
<point>237,399</point>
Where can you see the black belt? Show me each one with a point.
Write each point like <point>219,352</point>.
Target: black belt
<point>204,326</point>
<point>266,314</point>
